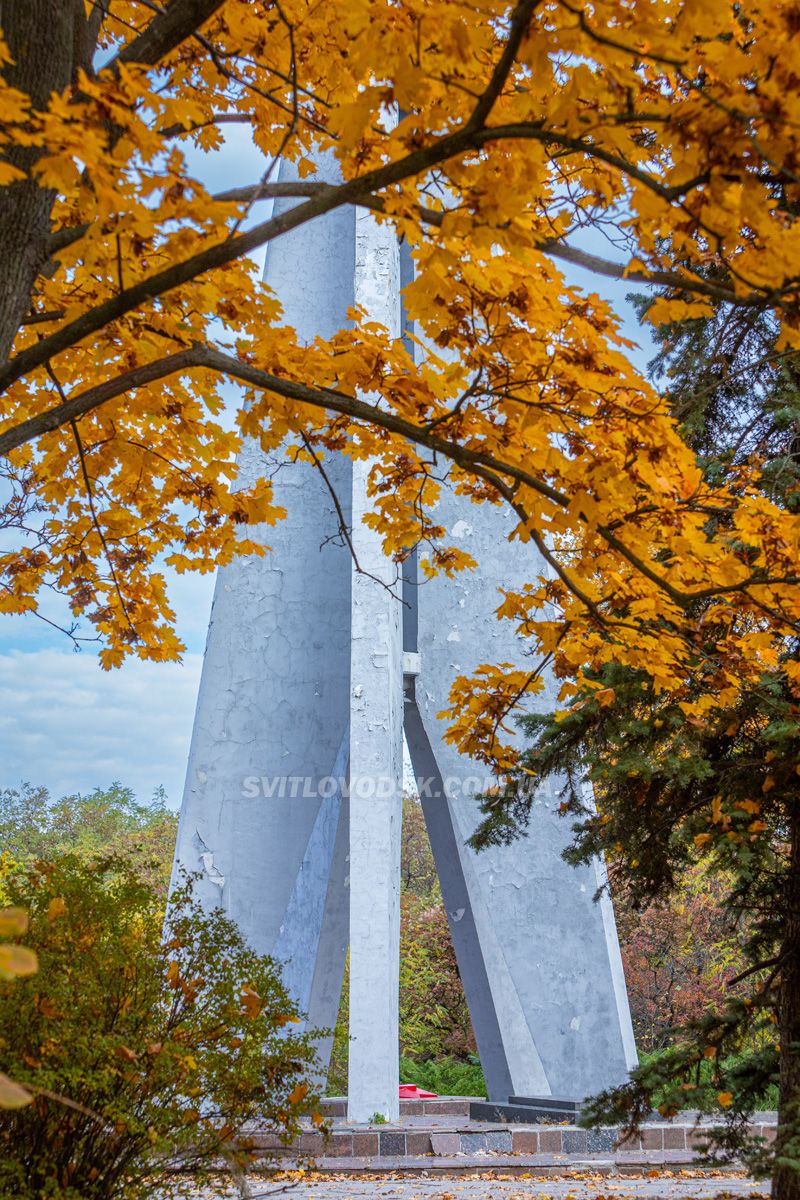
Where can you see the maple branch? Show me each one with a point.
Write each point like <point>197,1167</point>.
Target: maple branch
<point>552,246</point>
<point>520,20</point>
<point>539,132</point>
<point>70,633</point>
<point>39,318</point>
<point>494,471</point>
<point>90,497</point>
<point>329,197</point>
<point>252,192</point>
<point>224,118</point>
<point>75,406</point>
<point>171,26</point>
<point>670,279</point>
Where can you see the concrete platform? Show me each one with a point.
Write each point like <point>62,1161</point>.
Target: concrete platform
<point>439,1135</point>
<point>542,1166</point>
<point>483,1184</point>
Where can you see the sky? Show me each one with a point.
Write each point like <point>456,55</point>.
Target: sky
<point>70,726</point>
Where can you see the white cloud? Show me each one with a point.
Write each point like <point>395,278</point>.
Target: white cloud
<point>66,723</point>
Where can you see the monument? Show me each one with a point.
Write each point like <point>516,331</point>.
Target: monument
<point>318,662</point>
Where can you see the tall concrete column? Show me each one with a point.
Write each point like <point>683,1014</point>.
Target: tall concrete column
<point>376,749</point>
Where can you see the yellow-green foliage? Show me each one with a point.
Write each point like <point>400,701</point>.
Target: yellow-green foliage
<point>163,1046</point>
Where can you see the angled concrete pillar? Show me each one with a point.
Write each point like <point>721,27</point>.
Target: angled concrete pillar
<point>555,1020</point>
<point>264,813</point>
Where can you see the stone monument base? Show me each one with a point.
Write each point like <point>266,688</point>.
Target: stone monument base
<point>439,1136</point>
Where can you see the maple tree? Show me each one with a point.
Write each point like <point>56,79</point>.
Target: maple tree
<point>488,137</point>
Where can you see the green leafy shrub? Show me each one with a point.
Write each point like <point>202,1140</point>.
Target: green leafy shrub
<point>705,1094</point>
<point>434,1017</point>
<point>446,1077</point>
<point>165,1040</point>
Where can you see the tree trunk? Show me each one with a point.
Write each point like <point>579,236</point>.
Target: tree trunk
<point>42,37</point>
<point>786,1178</point>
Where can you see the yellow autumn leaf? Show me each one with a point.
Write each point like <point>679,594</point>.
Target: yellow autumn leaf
<point>251,1001</point>
<point>16,961</point>
<point>13,1095</point>
<point>13,921</point>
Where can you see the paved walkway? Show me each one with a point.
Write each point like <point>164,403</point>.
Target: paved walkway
<point>683,1185</point>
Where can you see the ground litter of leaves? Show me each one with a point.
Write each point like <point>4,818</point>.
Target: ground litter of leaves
<point>494,1185</point>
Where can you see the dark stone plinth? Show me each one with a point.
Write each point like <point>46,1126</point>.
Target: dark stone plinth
<point>527,1110</point>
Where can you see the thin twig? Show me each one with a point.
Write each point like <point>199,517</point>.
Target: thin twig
<point>344,529</point>
<point>90,497</point>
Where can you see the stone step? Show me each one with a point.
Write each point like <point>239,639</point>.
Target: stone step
<point>396,1142</point>
<point>336,1106</point>
<point>527,1165</point>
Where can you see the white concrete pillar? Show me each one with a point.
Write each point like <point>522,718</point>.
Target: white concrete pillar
<point>376,804</point>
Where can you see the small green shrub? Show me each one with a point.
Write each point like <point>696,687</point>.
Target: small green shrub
<point>446,1077</point>
<point>705,1095</point>
<point>165,1045</point>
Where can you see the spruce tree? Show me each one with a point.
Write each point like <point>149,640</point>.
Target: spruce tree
<point>670,791</point>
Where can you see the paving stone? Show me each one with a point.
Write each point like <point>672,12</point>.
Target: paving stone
<point>418,1143</point>
<point>550,1141</point>
<point>309,1143</point>
<point>472,1143</point>
<point>265,1141</point>
<point>445,1143</point>
<point>340,1143</point>
<point>674,1137</point>
<point>525,1141</point>
<point>365,1144</point>
<point>392,1142</point>
<point>574,1141</point>
<point>599,1140</point>
<point>498,1143</point>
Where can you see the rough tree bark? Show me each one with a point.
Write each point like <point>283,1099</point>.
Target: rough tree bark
<point>43,37</point>
<point>49,41</point>
<point>786,1178</point>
